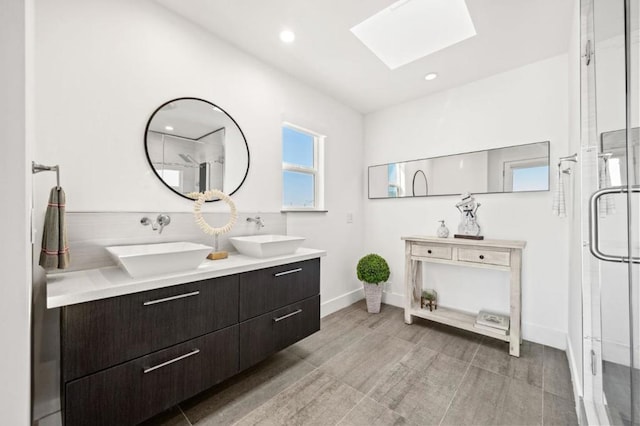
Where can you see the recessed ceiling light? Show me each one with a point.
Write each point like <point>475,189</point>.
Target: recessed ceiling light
<point>287,36</point>
<point>411,29</point>
<point>431,76</point>
<point>169,128</point>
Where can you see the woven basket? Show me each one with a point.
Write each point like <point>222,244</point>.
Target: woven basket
<point>373,294</point>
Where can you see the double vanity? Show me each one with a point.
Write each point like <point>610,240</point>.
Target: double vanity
<point>133,347</point>
<point>167,324</point>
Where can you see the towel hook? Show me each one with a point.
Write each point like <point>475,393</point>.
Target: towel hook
<point>573,158</point>
<point>569,158</point>
<point>37,168</point>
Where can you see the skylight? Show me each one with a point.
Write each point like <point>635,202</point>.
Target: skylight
<point>411,29</point>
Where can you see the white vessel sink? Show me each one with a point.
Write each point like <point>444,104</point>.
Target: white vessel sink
<point>155,259</point>
<point>266,245</point>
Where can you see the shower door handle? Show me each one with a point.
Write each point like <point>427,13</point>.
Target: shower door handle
<point>594,224</point>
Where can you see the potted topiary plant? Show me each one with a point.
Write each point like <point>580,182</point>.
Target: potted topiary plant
<point>372,271</point>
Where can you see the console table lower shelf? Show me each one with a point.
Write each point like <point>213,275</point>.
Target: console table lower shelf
<point>456,318</point>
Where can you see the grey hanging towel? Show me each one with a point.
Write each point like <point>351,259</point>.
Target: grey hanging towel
<point>55,249</point>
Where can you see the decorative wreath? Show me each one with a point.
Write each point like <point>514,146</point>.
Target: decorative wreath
<point>197,211</point>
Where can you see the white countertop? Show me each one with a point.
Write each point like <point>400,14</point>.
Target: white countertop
<point>69,288</point>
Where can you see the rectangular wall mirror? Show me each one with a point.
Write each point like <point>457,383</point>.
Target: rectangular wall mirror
<point>519,168</point>
<point>613,146</point>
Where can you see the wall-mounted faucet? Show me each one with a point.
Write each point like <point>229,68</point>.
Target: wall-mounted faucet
<point>257,220</point>
<point>158,225</point>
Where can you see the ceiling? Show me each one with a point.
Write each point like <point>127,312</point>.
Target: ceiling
<point>326,55</point>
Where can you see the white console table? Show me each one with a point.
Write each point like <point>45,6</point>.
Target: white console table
<point>503,255</point>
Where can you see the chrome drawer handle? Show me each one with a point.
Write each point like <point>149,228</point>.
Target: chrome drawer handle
<point>287,316</point>
<point>167,299</point>
<point>293,271</point>
<point>171,361</point>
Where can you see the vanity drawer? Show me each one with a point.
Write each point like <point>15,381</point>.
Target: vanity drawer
<point>136,390</point>
<point>491,257</point>
<point>267,289</point>
<point>435,251</point>
<point>99,334</point>
<point>269,333</point>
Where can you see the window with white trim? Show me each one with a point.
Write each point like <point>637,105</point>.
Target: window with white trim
<point>302,169</point>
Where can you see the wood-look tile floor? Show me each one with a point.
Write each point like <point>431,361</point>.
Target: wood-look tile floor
<point>372,369</point>
<point>616,380</point>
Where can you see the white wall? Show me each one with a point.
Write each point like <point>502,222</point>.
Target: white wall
<point>16,80</point>
<point>525,105</point>
<point>104,66</point>
<point>96,92</point>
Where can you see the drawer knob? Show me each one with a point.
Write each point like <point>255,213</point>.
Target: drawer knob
<point>429,251</point>
<point>481,256</point>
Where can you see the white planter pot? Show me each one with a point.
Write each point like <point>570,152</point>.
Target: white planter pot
<point>373,294</point>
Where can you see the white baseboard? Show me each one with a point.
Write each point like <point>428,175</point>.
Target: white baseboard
<point>393,299</point>
<point>576,378</point>
<point>545,335</point>
<point>618,353</point>
<point>337,303</point>
<point>340,302</point>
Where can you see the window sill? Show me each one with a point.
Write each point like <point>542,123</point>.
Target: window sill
<point>304,211</point>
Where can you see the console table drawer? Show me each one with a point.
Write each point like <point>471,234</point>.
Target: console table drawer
<point>491,257</point>
<point>436,252</point>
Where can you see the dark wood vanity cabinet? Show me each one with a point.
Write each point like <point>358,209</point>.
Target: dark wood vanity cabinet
<point>105,332</point>
<point>278,307</point>
<point>127,358</point>
<point>136,390</point>
<point>265,335</point>
<point>264,290</point>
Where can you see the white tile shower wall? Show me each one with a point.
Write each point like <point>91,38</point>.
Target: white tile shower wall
<point>524,105</point>
<point>90,232</point>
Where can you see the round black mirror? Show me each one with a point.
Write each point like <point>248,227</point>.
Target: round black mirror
<point>193,146</point>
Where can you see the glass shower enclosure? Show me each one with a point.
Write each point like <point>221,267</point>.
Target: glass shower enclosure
<point>610,188</point>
